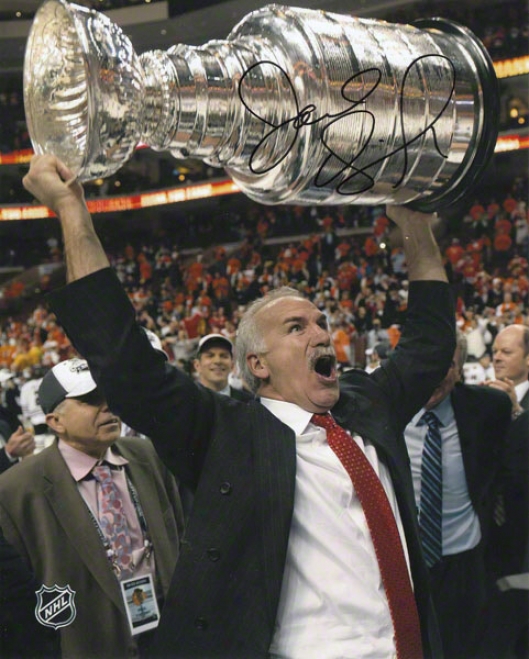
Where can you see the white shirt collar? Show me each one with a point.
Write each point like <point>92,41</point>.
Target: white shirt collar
<point>290,414</point>
<point>521,389</point>
<point>443,411</point>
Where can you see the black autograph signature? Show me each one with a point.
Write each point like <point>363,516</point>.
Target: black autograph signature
<point>357,180</point>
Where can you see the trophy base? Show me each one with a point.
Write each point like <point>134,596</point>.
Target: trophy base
<point>478,158</point>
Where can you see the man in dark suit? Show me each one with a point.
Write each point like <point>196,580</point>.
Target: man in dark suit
<point>51,512</point>
<point>509,546</point>
<point>504,626</point>
<point>472,422</point>
<point>18,444</point>
<point>213,365</point>
<point>22,636</point>
<point>15,442</point>
<point>279,558</point>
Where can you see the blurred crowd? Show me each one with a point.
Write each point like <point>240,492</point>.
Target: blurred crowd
<point>346,261</point>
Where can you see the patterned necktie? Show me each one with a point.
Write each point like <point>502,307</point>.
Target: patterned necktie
<point>431,504</point>
<point>113,521</point>
<point>385,535</point>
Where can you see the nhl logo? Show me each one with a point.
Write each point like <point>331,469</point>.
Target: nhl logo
<point>55,606</point>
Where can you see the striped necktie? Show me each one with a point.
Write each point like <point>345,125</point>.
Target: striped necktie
<point>384,534</point>
<point>431,503</point>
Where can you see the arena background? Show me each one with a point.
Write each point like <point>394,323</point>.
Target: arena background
<point>208,221</point>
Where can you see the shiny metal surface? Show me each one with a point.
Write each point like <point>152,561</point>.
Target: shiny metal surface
<point>298,105</point>
<point>83,89</point>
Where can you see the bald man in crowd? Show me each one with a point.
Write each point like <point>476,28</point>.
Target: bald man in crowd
<point>510,358</point>
<point>504,625</point>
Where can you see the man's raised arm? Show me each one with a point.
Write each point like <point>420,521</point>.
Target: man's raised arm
<point>420,247</point>
<point>51,182</point>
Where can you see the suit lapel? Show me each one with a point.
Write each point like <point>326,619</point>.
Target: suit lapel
<point>361,416</point>
<point>465,417</point>
<point>60,490</point>
<point>275,471</point>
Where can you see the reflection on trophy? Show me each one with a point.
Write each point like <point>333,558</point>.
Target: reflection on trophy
<point>299,106</point>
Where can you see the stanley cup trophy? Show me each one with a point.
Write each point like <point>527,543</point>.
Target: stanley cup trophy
<point>299,106</point>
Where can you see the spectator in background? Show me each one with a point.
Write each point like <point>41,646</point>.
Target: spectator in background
<point>504,626</point>
<point>511,530</point>
<point>502,248</point>
<point>455,252</point>
<point>478,371</point>
<point>376,355</point>
<point>509,548</point>
<point>22,636</point>
<point>10,396</point>
<point>376,334</point>
<point>213,365</point>
<point>59,496</point>
<point>182,349</point>
<point>341,338</point>
<point>32,413</point>
<point>14,445</point>
<point>15,442</point>
<point>9,407</point>
<point>476,332</point>
<point>510,358</point>
<point>328,244</point>
<point>495,293</point>
<point>455,444</point>
<point>25,355</point>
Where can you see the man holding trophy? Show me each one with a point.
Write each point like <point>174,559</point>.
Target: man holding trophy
<point>303,539</point>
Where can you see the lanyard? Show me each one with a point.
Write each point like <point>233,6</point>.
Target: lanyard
<point>137,505</point>
<point>141,518</point>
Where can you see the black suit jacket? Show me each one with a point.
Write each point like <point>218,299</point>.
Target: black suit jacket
<point>5,462</point>
<point>21,635</point>
<point>240,461</point>
<point>483,416</point>
<point>238,394</point>
<point>241,394</point>
<point>525,401</point>
<point>509,546</point>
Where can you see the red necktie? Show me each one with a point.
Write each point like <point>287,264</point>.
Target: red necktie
<point>385,535</point>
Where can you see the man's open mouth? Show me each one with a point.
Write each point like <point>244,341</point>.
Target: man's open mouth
<point>325,365</point>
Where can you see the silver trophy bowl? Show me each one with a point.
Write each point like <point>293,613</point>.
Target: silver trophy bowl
<point>83,89</point>
<point>298,106</point>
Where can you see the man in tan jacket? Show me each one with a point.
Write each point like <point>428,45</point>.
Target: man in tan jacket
<point>51,512</point>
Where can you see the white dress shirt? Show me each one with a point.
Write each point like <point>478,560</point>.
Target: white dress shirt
<point>521,389</point>
<point>333,604</point>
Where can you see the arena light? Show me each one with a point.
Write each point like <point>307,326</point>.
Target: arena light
<point>509,68</point>
<point>512,142</point>
<point>118,204</point>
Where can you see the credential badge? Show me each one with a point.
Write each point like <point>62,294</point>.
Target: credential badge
<point>55,606</point>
